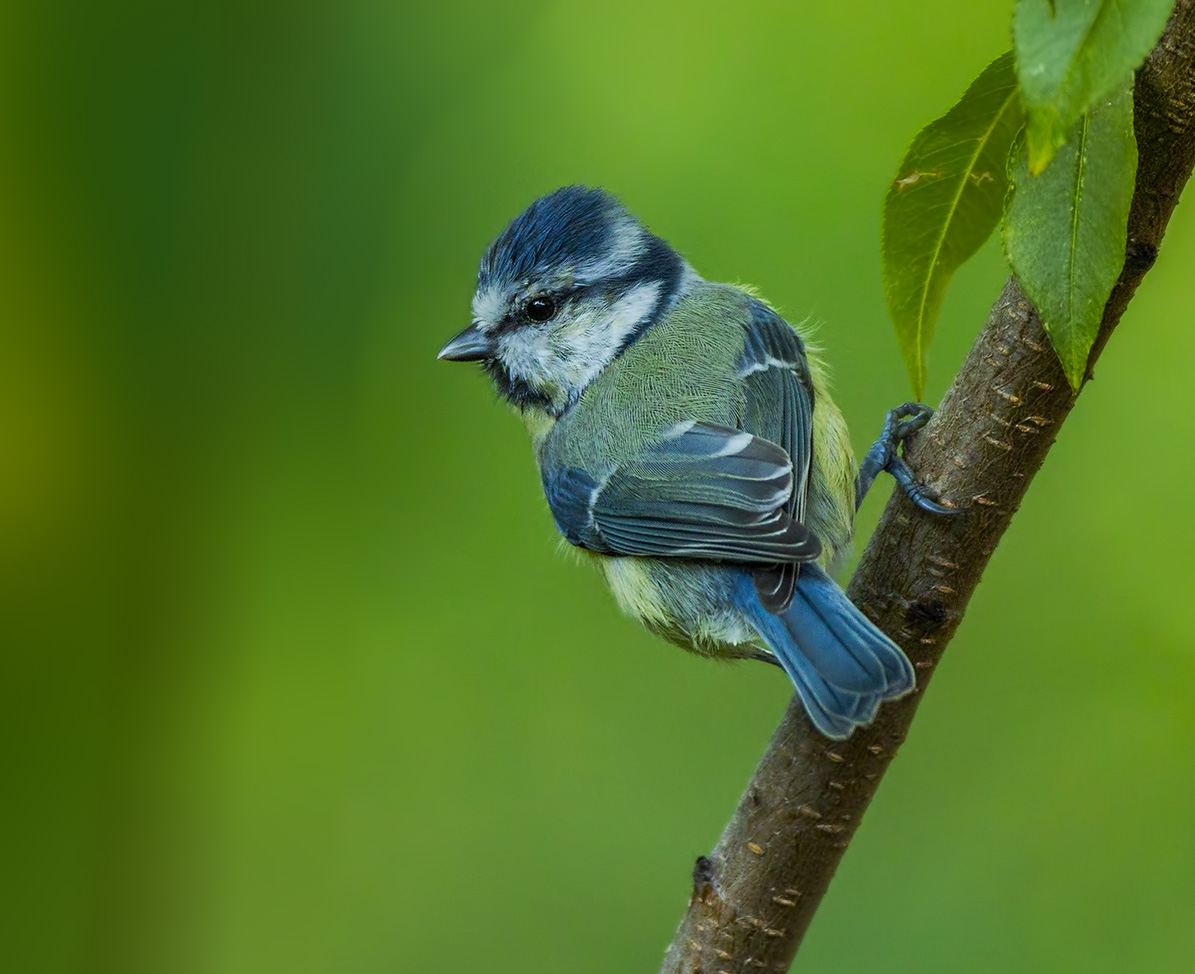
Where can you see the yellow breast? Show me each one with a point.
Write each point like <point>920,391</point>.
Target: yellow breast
<point>634,590</point>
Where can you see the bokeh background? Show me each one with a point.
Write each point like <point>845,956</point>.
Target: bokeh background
<point>295,678</point>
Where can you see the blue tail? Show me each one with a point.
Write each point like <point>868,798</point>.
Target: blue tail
<point>842,665</point>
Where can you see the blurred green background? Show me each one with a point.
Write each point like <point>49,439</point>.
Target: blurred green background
<point>294,676</point>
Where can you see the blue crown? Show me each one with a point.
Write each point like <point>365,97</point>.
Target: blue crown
<point>562,228</point>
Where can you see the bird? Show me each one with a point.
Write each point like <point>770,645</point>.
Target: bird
<point>687,443</point>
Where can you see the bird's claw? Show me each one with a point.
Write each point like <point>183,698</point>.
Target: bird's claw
<point>900,423</point>
<point>908,417</point>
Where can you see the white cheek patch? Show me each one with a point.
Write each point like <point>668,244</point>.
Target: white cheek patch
<point>632,309</point>
<point>560,362</point>
<point>591,341</point>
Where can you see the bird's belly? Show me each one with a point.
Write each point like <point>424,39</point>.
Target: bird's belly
<point>689,603</point>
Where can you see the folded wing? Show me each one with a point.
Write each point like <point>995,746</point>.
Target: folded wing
<point>703,491</point>
<point>778,406</point>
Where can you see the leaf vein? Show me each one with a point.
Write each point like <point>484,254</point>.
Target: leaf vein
<point>981,144</point>
<point>1080,159</point>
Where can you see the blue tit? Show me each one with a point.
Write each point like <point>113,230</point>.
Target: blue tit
<point>687,442</point>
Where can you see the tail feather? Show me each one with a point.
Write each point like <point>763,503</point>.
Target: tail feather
<point>842,665</point>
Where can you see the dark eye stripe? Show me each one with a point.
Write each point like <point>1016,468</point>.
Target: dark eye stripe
<point>519,316</point>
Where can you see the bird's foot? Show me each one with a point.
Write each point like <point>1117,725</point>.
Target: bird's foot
<point>885,454</point>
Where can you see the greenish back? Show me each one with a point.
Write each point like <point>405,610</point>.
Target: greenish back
<point>682,368</point>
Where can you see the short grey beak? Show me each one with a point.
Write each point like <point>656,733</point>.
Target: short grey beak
<point>469,346</point>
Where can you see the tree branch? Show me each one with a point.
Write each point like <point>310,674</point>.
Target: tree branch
<point>755,895</point>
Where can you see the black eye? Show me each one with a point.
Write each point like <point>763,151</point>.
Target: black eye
<point>540,309</point>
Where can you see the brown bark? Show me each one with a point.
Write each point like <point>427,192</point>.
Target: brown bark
<point>755,895</point>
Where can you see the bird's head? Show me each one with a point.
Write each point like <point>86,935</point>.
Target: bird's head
<point>568,285</point>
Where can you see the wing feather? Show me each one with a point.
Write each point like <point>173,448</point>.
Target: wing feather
<point>778,406</point>
<point>704,491</point>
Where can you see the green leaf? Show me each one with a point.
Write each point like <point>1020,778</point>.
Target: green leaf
<point>1073,54</point>
<point>945,201</point>
<point>1065,231</point>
